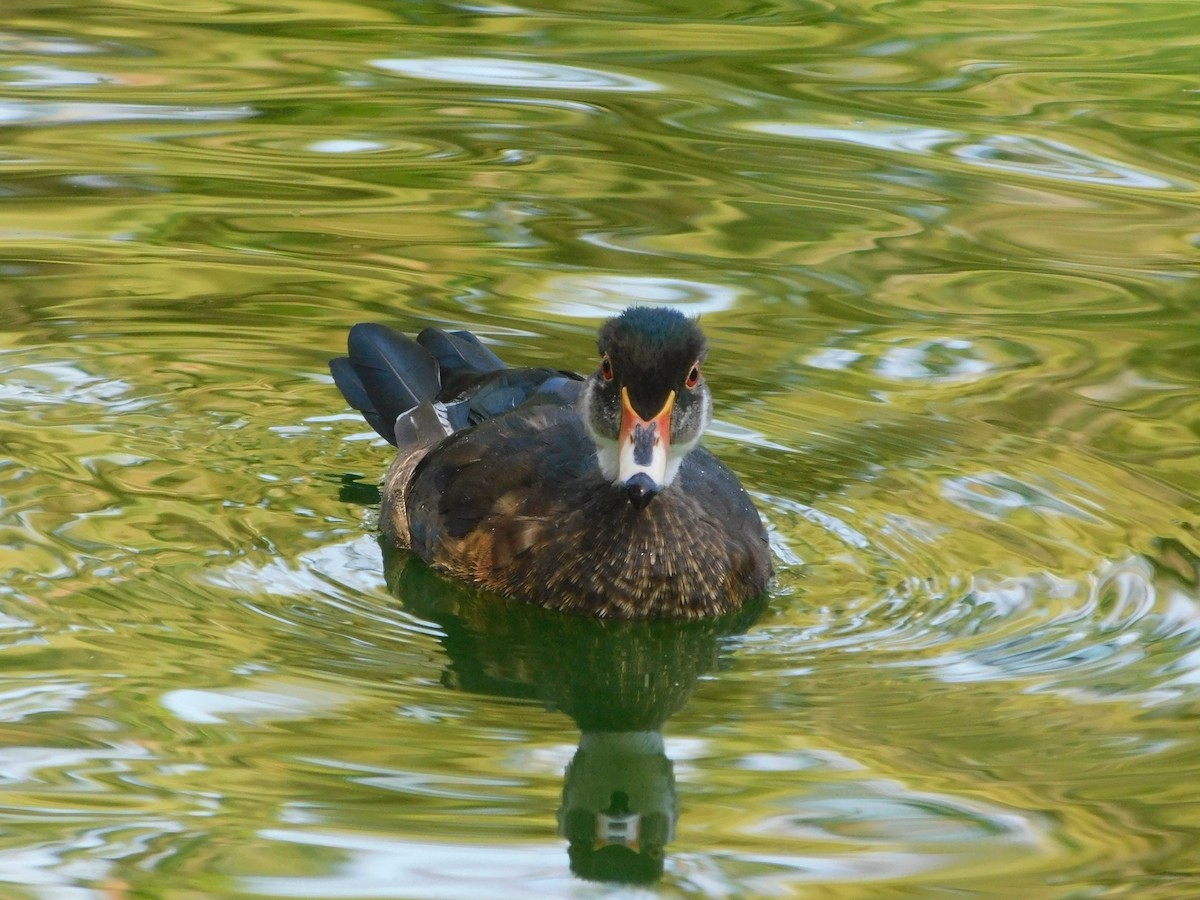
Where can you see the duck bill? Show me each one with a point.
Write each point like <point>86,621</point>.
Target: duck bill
<point>642,448</point>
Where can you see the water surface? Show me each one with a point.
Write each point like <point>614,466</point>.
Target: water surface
<point>946,257</point>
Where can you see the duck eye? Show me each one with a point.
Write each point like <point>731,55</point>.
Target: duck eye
<point>693,377</point>
<point>606,368</point>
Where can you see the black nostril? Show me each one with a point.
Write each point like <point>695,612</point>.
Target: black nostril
<point>640,489</point>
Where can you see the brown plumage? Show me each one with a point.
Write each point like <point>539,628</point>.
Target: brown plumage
<point>587,495</point>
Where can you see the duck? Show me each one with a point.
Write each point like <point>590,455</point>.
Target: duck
<point>588,494</point>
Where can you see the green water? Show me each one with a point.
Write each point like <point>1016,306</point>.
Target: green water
<point>947,258</point>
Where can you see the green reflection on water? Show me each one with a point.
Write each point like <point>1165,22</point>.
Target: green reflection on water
<point>945,255</point>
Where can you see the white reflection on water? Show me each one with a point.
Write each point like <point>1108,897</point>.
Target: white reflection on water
<point>514,73</point>
<point>383,867</point>
<point>1115,620</point>
<point>60,382</point>
<point>599,296</point>
<point>34,765</point>
<point>353,567</point>
<point>995,495</point>
<point>346,145</point>
<point>267,702</point>
<point>16,112</point>
<point>25,700</point>
<point>52,76</point>
<point>1015,153</point>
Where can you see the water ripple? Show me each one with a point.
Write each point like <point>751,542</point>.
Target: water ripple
<point>1029,155</point>
<point>946,258</point>
<point>18,112</point>
<point>520,73</point>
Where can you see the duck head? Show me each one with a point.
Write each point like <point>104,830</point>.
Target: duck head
<point>647,404</point>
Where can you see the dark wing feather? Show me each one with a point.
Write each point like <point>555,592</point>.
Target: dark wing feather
<point>347,381</point>
<point>498,392</point>
<point>386,374</point>
<point>459,354</point>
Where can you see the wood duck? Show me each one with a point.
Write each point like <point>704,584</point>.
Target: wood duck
<point>585,494</point>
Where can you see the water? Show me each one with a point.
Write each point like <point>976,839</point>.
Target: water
<point>946,256</point>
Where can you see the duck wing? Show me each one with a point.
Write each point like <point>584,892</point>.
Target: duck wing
<point>444,381</point>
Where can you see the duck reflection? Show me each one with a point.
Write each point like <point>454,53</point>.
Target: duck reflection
<point>618,680</point>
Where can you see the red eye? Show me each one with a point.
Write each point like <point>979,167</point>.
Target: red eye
<point>693,377</point>
<point>606,368</point>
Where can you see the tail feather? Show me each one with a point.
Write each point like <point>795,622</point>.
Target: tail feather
<point>352,389</point>
<point>392,366</point>
<point>385,375</point>
<point>415,392</point>
<point>459,354</point>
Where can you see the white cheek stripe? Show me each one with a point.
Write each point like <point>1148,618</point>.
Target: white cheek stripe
<point>606,449</point>
<point>675,459</point>
<point>607,457</point>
